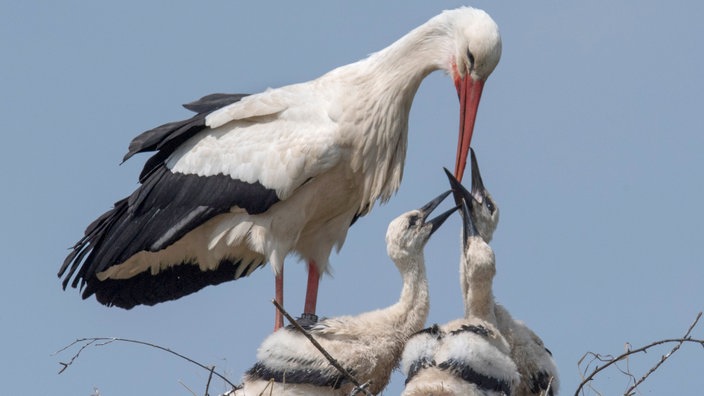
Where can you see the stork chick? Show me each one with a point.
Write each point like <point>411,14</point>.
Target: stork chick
<point>534,361</point>
<point>467,356</point>
<point>368,345</point>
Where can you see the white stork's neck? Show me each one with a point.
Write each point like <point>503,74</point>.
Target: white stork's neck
<point>379,91</point>
<point>405,63</point>
<point>477,271</point>
<point>411,310</point>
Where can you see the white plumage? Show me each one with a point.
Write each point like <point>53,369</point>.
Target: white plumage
<point>494,345</point>
<point>539,375</point>
<point>537,369</point>
<point>467,356</point>
<point>252,178</point>
<point>367,345</point>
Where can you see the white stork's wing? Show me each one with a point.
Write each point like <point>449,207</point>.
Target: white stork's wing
<point>165,138</point>
<point>286,139</point>
<point>198,173</point>
<point>266,103</point>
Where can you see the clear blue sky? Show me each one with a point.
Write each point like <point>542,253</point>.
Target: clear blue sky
<point>589,136</point>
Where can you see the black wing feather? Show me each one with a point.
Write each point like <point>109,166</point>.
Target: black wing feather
<point>152,139</point>
<point>165,138</point>
<point>212,102</point>
<point>169,284</point>
<point>161,211</point>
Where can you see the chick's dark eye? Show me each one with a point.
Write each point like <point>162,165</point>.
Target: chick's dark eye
<point>470,56</point>
<point>490,206</point>
<point>413,220</point>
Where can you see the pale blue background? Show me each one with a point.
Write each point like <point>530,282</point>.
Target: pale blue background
<point>589,136</point>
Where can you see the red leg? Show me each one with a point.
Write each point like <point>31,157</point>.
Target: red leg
<point>312,289</point>
<point>279,319</point>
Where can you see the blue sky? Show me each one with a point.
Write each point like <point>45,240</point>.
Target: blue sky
<point>589,137</point>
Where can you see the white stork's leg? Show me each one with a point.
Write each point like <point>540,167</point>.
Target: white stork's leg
<point>279,285</point>
<point>312,288</point>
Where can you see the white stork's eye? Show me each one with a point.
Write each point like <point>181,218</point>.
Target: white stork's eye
<point>413,220</point>
<point>470,57</point>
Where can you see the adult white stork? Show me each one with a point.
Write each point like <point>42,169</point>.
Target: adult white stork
<point>252,178</point>
<point>368,345</point>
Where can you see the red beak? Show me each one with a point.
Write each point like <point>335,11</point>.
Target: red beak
<point>469,91</point>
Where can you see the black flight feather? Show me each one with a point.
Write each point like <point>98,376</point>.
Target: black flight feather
<point>169,284</point>
<point>165,138</point>
<point>161,211</point>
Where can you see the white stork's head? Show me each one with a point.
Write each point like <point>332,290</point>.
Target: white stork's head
<point>474,50</point>
<point>483,208</point>
<point>473,45</point>
<point>407,234</point>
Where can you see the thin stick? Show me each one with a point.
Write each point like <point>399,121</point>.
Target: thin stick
<point>108,340</point>
<point>187,388</point>
<point>613,360</point>
<point>70,362</point>
<point>210,376</point>
<point>360,389</point>
<point>322,350</point>
<point>664,357</point>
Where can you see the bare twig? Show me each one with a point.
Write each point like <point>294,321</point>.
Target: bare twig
<point>270,386</point>
<point>666,356</point>
<point>108,340</point>
<point>358,386</point>
<point>360,389</point>
<point>187,388</point>
<point>70,362</point>
<point>610,360</point>
<point>210,377</point>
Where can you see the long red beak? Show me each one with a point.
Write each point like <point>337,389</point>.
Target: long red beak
<point>469,91</point>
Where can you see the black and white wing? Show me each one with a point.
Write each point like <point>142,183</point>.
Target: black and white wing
<point>238,153</point>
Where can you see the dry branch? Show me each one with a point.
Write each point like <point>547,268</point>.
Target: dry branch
<point>609,360</point>
<point>108,340</point>
<point>210,377</point>
<point>359,387</point>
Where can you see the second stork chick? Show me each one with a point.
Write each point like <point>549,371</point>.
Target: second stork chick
<point>467,356</point>
<point>534,361</point>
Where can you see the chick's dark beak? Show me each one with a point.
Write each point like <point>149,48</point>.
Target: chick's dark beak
<point>459,192</point>
<point>464,200</point>
<point>428,208</point>
<point>469,229</point>
<point>437,221</point>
